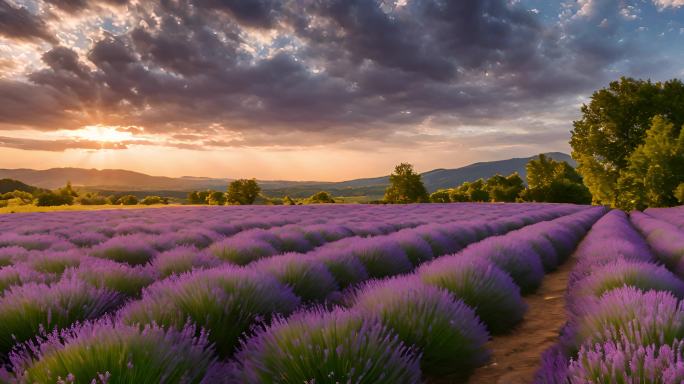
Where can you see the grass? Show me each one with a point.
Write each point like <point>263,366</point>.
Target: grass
<point>75,207</point>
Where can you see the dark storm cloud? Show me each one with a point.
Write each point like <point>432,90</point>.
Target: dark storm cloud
<point>18,23</point>
<point>333,68</point>
<point>75,6</point>
<point>253,13</point>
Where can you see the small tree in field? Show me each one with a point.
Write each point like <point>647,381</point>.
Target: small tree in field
<point>440,196</point>
<point>128,200</point>
<point>243,192</point>
<point>406,186</point>
<point>321,197</point>
<point>216,198</point>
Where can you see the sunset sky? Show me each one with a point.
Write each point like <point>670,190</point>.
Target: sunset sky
<point>312,89</point>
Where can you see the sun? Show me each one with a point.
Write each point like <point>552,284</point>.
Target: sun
<point>101,134</point>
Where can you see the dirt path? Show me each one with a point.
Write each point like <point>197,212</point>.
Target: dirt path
<point>515,356</point>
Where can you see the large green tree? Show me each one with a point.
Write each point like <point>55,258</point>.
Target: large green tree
<point>243,191</point>
<point>406,186</point>
<point>554,182</point>
<point>614,124</point>
<point>506,189</point>
<point>654,169</point>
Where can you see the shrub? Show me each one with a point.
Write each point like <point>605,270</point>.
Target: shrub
<point>35,242</point>
<point>329,232</point>
<point>109,352</point>
<point>381,257</point>
<point>87,239</point>
<point>517,259</point>
<point>128,200</point>
<point>308,277</point>
<point>183,259</point>
<point>642,318</point>
<point>12,254</point>
<point>198,238</point>
<point>293,241</point>
<point>122,278</point>
<point>346,268</point>
<point>153,200</point>
<point>440,243</point>
<point>125,249</point>
<point>28,309</point>
<point>330,347</point>
<point>554,367</point>
<point>417,249</point>
<point>541,245</point>
<point>624,362</point>
<point>644,276</point>
<point>225,301</point>
<point>447,333</point>
<point>241,250</point>
<point>19,274</point>
<point>484,287</point>
<point>53,262</point>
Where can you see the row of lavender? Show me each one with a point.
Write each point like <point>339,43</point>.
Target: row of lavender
<point>673,215</point>
<point>626,320</point>
<point>55,243</point>
<point>42,256</point>
<point>432,322</point>
<point>225,300</point>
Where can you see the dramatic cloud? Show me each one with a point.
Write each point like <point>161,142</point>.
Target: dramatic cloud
<point>202,74</point>
<point>18,23</point>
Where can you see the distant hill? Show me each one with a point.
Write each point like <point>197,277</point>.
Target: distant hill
<point>113,180</point>
<point>11,185</point>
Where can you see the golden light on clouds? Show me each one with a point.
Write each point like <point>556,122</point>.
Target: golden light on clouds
<point>100,134</point>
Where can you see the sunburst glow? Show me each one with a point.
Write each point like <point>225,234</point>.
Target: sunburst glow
<point>101,134</point>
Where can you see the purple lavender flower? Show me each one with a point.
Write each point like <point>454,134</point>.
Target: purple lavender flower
<point>28,309</point>
<point>624,362</point>
<point>308,276</point>
<point>480,284</point>
<point>382,257</point>
<point>517,259</point>
<point>417,249</point>
<point>133,250</point>
<point>642,318</point>
<point>345,267</point>
<point>183,259</point>
<point>96,352</point>
<point>641,275</point>
<point>212,299</point>
<point>447,333</point>
<point>241,250</point>
<point>327,347</point>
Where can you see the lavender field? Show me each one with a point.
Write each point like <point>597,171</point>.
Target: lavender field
<point>336,293</point>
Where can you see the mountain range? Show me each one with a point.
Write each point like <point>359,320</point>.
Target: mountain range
<point>117,180</point>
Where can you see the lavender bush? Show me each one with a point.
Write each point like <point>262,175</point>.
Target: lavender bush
<point>225,301</point>
<point>29,309</point>
<point>480,284</point>
<point>327,347</point>
<point>108,352</point>
<point>447,333</point>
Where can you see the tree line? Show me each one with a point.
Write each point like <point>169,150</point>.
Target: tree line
<point>247,192</point>
<point>67,195</point>
<point>547,181</point>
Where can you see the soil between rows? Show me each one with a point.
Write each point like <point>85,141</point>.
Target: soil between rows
<point>516,355</point>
